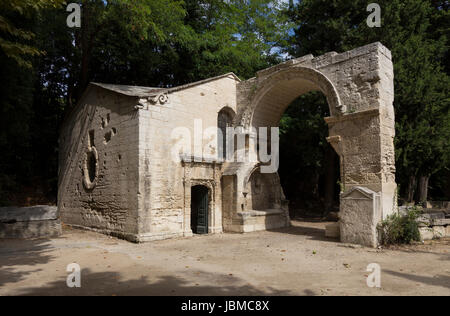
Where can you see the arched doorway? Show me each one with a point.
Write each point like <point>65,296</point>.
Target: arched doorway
<point>260,200</point>
<point>358,87</point>
<point>270,102</point>
<point>199,209</point>
<point>309,166</point>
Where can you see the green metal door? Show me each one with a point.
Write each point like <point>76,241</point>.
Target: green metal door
<point>199,210</point>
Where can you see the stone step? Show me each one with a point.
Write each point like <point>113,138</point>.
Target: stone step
<point>29,222</point>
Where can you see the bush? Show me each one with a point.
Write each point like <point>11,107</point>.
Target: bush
<point>400,228</point>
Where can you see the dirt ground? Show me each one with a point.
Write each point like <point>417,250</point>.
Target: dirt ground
<point>295,261</point>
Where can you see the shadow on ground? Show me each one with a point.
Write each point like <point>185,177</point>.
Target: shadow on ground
<point>23,254</point>
<point>110,284</point>
<point>419,248</point>
<point>300,229</point>
<point>437,280</point>
<point>19,260</point>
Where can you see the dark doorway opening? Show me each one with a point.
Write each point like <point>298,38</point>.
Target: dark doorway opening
<point>199,209</point>
<point>309,166</point>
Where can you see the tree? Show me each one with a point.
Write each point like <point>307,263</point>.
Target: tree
<point>149,43</point>
<point>231,36</point>
<point>308,170</point>
<point>13,39</point>
<point>415,31</point>
<point>18,47</point>
<point>153,21</point>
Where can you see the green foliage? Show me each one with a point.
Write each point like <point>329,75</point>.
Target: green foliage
<point>303,124</point>
<point>417,33</point>
<point>16,96</point>
<point>303,150</point>
<point>14,40</point>
<point>400,229</point>
<point>164,43</point>
<point>157,43</point>
<point>230,36</point>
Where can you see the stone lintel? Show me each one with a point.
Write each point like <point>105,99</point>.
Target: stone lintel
<point>352,116</point>
<point>189,159</point>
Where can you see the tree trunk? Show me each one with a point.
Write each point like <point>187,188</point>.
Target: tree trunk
<point>423,188</point>
<point>411,188</point>
<point>85,51</point>
<point>330,182</point>
<point>315,187</point>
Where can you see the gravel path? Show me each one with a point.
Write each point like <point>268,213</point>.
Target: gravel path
<point>295,261</point>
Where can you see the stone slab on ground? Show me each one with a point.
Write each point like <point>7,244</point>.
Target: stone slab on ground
<point>32,229</point>
<point>257,220</point>
<point>434,232</point>
<point>29,222</point>
<point>434,213</point>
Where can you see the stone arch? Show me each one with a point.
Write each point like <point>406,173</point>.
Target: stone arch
<point>284,86</point>
<point>274,94</point>
<point>269,97</point>
<point>227,109</point>
<point>358,85</point>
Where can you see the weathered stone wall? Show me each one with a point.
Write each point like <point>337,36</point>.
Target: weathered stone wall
<point>364,80</point>
<point>119,173</point>
<point>261,192</point>
<point>111,205</point>
<point>164,184</point>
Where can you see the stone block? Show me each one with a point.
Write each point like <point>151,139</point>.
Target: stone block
<point>433,232</point>
<point>32,229</point>
<point>29,222</point>
<point>359,216</point>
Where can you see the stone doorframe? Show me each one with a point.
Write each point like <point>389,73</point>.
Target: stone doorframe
<point>212,183</point>
<point>358,85</point>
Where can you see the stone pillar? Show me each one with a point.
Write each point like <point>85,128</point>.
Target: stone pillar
<point>363,137</point>
<point>187,231</point>
<point>360,214</point>
<point>365,146</point>
<point>217,202</point>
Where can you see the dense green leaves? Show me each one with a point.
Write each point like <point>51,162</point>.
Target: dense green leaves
<point>135,42</point>
<point>417,33</point>
<point>45,66</point>
<point>14,39</point>
<point>400,228</point>
<point>305,155</point>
